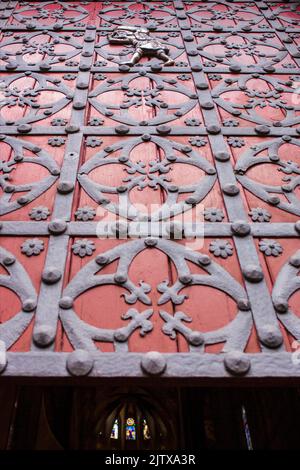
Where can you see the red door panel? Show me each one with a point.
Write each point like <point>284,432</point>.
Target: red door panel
<point>149,213</point>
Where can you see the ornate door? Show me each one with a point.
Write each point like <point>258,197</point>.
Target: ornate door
<point>149,190</point>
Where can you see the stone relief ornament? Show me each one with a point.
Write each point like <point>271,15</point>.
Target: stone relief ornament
<point>143,43</point>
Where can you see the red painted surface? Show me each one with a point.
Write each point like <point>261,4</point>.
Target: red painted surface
<point>103,306</point>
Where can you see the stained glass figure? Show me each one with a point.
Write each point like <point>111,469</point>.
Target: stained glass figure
<point>146,431</point>
<point>130,429</point>
<point>115,430</point>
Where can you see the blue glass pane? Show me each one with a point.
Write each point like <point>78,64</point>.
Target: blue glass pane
<point>130,429</point>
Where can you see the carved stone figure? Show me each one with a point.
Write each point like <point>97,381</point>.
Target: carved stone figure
<point>144,44</point>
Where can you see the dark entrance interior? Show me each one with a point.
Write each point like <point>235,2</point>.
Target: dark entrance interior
<point>135,418</point>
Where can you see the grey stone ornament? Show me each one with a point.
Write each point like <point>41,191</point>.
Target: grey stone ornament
<point>270,335</point>
<point>240,228</point>
<point>51,275</point>
<point>144,44</point>
<point>57,226</point>
<point>43,335</point>
<point>79,363</point>
<point>237,363</point>
<point>253,273</point>
<point>153,363</point>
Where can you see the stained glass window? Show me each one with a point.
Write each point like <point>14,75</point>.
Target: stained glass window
<point>246,429</point>
<point>130,429</point>
<point>115,430</point>
<point>146,432</point>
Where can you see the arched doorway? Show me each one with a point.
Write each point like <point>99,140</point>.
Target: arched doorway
<point>126,419</point>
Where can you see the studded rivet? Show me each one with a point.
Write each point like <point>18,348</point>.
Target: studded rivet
<point>237,363</point>
<point>79,362</point>
<point>24,128</point>
<point>102,260</point>
<point>287,188</point>
<point>124,68</point>
<point>240,228</point>
<point>23,200</point>
<point>196,68</point>
<point>253,273</point>
<point>120,336</point>
<point>230,189</point>
<point>8,260</point>
<point>121,189</point>
<point>84,67</point>
<point>274,200</point>
<point>195,338</point>
<point>262,130</point>
<point>207,105</point>
<point>43,335</point>
<point>280,305</point>
<point>51,275</point>
<point>269,68</point>
<point>153,363</point>
<point>65,187</point>
<point>222,156</point>
<point>78,105</point>
<point>44,66</point>
<point>204,260</point>
<point>57,226</point>
<point>156,67</point>
<point>72,129</point>
<point>66,302</point>
<point>295,261</point>
<point>243,304</point>
<point>122,129</point>
<point>9,188</point>
<point>235,68</point>
<point>55,172</point>
<point>29,305</point>
<point>202,86</point>
<point>191,200</point>
<point>150,242</point>
<point>185,279</point>
<point>274,158</point>
<point>57,27</point>
<point>11,65</point>
<point>163,129</point>
<point>270,336</point>
<point>120,278</point>
<point>213,129</point>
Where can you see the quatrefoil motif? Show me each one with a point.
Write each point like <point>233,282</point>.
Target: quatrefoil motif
<point>283,196</point>
<point>30,191</point>
<point>82,335</point>
<point>158,176</point>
